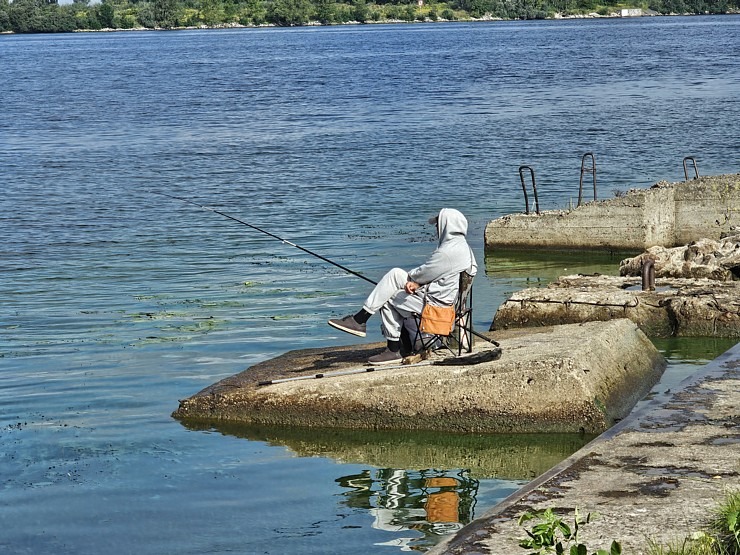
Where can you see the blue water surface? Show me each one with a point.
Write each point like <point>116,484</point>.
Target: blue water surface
<point>115,301</point>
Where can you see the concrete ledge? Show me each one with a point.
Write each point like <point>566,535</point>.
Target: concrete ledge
<point>656,475</point>
<point>678,307</point>
<point>668,215</point>
<point>577,378</point>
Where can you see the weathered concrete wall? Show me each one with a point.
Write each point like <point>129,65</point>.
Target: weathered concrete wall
<point>659,216</point>
<point>658,475</point>
<point>678,307</point>
<point>567,379</point>
<point>666,214</point>
<point>711,204</point>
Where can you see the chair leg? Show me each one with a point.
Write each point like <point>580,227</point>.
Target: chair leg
<point>464,334</point>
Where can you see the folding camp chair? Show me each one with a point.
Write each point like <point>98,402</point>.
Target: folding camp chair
<point>460,336</point>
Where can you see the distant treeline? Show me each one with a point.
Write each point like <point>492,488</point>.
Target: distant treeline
<point>47,16</point>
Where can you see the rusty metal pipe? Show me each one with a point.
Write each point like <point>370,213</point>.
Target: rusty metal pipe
<point>648,275</point>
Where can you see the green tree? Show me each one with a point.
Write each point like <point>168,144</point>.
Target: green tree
<point>253,11</point>
<point>4,16</point>
<point>106,13</point>
<point>476,8</point>
<point>145,15</point>
<point>720,6</point>
<point>23,14</point>
<point>40,16</point>
<point>342,13</point>
<point>63,18</point>
<point>164,13</point>
<point>360,11</point>
<point>211,11</point>
<point>324,11</point>
<point>289,12</point>
<point>668,6</point>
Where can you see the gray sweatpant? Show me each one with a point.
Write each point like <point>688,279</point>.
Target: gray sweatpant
<point>394,304</point>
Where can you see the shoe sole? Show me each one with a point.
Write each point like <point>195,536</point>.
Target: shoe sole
<point>347,330</point>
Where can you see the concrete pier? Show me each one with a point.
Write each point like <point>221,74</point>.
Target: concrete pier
<point>677,307</point>
<point>574,378</point>
<point>667,214</point>
<point>656,476</point>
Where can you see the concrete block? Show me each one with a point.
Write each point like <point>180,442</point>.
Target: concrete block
<point>667,214</point>
<point>577,378</point>
<point>678,307</point>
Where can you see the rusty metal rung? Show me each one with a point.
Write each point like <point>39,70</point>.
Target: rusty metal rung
<point>585,169</point>
<point>685,169</point>
<point>522,169</point>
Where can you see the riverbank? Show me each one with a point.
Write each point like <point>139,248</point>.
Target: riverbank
<point>653,477</point>
<point>66,18</point>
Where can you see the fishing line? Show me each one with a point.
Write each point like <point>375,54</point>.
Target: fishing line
<point>285,241</point>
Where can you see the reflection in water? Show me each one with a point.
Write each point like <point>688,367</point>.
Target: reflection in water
<point>423,485</point>
<point>432,502</point>
<point>687,350</point>
<point>537,269</point>
<point>499,456</point>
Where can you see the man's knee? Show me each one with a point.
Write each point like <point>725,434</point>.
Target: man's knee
<point>398,275</point>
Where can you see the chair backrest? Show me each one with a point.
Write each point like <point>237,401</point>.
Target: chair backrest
<point>463,293</point>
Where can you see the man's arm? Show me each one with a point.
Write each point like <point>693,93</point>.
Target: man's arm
<point>435,267</point>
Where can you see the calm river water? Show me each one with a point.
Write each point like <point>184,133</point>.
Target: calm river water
<point>116,302</point>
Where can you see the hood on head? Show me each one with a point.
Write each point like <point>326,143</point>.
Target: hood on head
<point>450,222</point>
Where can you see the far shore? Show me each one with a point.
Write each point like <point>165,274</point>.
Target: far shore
<point>556,17</point>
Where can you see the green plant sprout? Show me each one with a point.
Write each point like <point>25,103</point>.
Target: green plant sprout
<point>551,534</point>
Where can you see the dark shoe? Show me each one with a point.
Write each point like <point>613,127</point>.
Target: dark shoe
<point>349,325</point>
<point>386,357</point>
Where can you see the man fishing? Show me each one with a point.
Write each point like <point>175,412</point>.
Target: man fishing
<point>400,294</point>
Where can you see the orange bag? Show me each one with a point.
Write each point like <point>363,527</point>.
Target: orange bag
<point>437,320</point>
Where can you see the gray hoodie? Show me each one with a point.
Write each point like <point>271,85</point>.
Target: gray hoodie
<point>441,272</point>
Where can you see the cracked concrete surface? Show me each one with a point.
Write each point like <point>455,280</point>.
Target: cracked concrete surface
<point>655,476</point>
<point>547,380</point>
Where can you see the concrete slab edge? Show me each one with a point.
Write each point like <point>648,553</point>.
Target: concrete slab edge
<point>478,529</point>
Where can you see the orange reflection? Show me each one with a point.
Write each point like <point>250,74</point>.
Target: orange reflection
<point>442,506</point>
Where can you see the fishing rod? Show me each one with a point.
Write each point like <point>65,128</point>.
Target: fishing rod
<point>466,360</point>
<point>285,241</point>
